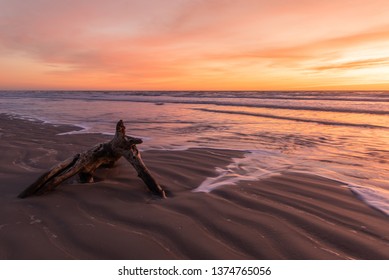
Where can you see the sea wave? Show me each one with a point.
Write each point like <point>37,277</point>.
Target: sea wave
<point>343,102</point>
<point>364,125</point>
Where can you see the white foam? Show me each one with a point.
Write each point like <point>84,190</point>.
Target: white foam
<point>261,164</point>
<point>374,197</point>
<point>254,165</point>
<point>84,130</point>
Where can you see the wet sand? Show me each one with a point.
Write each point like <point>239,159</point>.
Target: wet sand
<point>286,216</point>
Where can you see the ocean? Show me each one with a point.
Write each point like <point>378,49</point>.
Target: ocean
<point>339,135</point>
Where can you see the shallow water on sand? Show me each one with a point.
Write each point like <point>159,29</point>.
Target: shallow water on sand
<point>340,135</point>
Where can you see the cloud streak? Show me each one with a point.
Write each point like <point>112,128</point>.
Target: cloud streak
<point>355,64</point>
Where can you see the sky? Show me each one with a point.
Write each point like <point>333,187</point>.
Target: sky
<point>194,44</point>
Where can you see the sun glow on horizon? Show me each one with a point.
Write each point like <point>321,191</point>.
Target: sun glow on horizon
<point>194,45</point>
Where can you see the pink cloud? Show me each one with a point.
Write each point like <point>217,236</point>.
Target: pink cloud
<point>171,40</point>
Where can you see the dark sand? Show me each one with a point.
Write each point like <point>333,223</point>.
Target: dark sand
<point>288,216</point>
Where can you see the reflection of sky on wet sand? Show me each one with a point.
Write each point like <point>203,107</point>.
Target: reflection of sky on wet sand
<point>348,146</point>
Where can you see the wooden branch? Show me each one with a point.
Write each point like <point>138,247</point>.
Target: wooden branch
<point>133,156</point>
<point>84,164</point>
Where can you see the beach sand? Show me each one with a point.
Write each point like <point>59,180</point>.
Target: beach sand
<point>286,216</point>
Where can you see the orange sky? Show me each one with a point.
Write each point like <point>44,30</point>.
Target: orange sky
<point>194,44</point>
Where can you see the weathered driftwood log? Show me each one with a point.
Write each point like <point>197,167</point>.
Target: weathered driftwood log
<point>87,162</point>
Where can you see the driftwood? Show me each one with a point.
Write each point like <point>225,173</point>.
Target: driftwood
<point>84,164</point>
